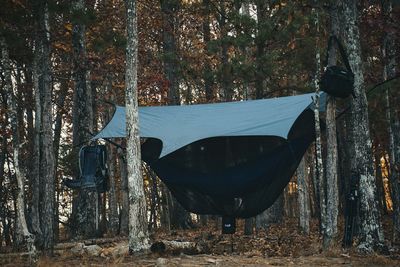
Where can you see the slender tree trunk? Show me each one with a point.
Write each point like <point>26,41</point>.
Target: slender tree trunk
<point>249,226</point>
<point>47,166</point>
<point>226,68</point>
<point>371,235</point>
<point>332,192</point>
<point>124,223</point>
<point>303,197</point>
<point>29,104</point>
<point>180,218</point>
<point>138,235</point>
<point>3,150</point>
<point>273,214</point>
<point>165,202</point>
<point>207,72</point>
<point>56,144</point>
<point>319,166</point>
<point>260,49</point>
<point>112,196</point>
<point>169,9</point>
<point>154,197</point>
<point>314,183</point>
<point>85,201</point>
<point>379,179</point>
<point>246,52</point>
<point>23,236</point>
<point>392,119</point>
<point>36,153</point>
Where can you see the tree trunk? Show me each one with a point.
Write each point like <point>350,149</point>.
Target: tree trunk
<point>153,196</point>
<point>245,6</point>
<point>3,150</point>
<point>260,49</point>
<point>249,226</point>
<point>379,179</point>
<point>124,222</point>
<point>36,153</point>
<point>179,217</point>
<point>169,9</point>
<point>344,154</point>
<point>56,144</point>
<point>371,235</point>
<point>165,200</point>
<point>207,72</point>
<point>392,119</point>
<point>273,214</point>
<point>314,183</point>
<point>319,166</point>
<point>22,234</point>
<point>84,202</point>
<point>112,196</point>
<point>332,198</point>
<point>112,159</point>
<point>226,68</point>
<point>47,173</point>
<point>138,235</point>
<point>303,197</point>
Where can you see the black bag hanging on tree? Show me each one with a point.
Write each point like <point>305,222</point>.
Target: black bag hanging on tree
<point>337,81</point>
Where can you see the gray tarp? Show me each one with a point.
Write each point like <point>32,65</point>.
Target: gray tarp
<point>177,126</point>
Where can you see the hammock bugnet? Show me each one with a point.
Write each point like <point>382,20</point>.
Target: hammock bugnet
<point>231,159</point>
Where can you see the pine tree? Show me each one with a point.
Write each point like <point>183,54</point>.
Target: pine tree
<point>23,236</point>
<point>138,235</point>
<point>84,204</point>
<point>332,193</point>
<point>371,235</point>
<point>392,119</point>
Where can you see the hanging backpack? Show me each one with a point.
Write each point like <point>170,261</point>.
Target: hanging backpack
<point>337,81</point>
<point>93,170</point>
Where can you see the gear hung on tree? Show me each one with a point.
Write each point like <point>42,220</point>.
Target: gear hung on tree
<point>337,81</point>
<point>93,170</point>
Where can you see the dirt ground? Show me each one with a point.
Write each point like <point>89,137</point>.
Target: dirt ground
<point>281,245</point>
<point>228,260</point>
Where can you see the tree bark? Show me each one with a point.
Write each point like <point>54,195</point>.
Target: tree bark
<point>36,153</point>
<point>3,150</point>
<point>207,72</point>
<point>303,197</point>
<point>332,194</point>
<point>165,203</point>
<point>371,235</point>
<point>169,9</point>
<point>260,49</point>
<point>23,236</point>
<point>56,144</point>
<point>273,214</point>
<point>84,214</point>
<point>138,235</point>
<point>319,166</point>
<point>112,160</point>
<point>392,119</point>
<point>176,247</point>
<point>124,222</point>
<point>47,166</point>
<point>112,197</point>
<point>226,93</point>
<point>249,226</point>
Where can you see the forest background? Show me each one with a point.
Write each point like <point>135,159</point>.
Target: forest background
<point>63,61</point>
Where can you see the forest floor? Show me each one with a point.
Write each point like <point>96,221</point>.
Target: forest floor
<point>281,245</point>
